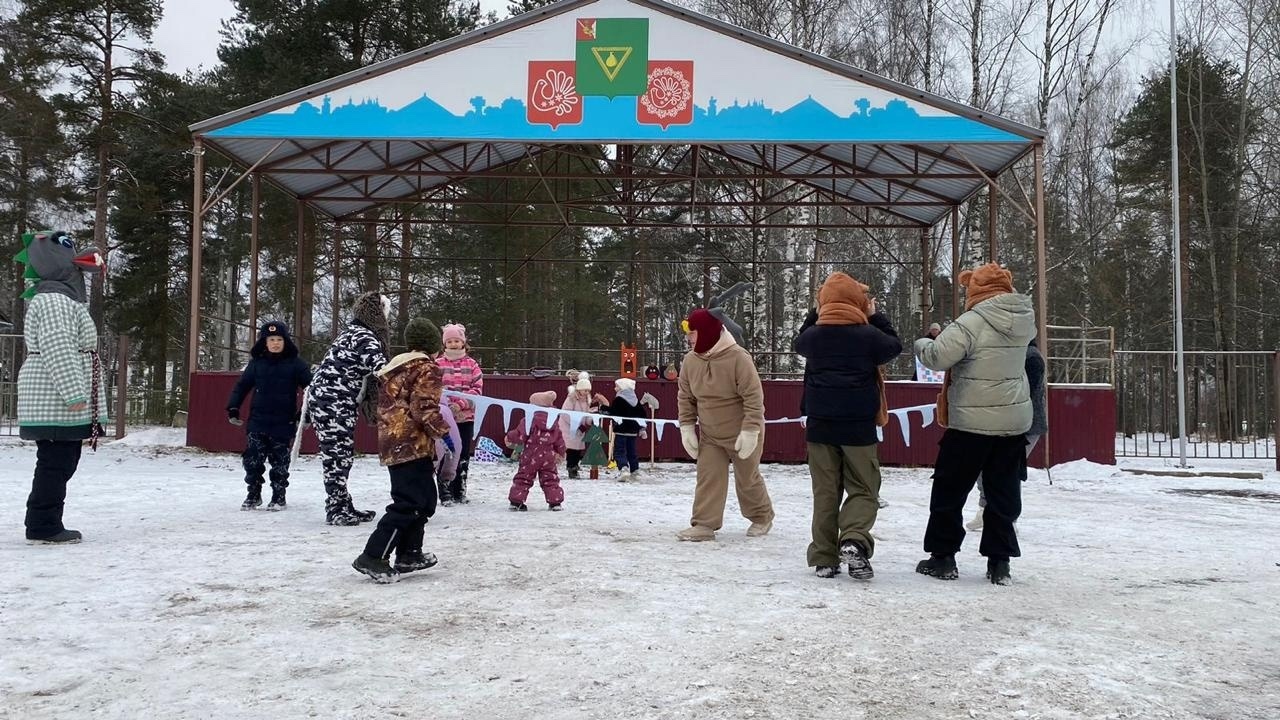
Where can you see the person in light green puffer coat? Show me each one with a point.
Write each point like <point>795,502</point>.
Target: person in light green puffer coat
<point>986,408</point>
<point>61,398</point>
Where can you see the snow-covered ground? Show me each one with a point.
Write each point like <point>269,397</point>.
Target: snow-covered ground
<point>1132,602</point>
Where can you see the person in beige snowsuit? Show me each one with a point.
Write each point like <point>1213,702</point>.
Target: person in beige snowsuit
<point>720,392</point>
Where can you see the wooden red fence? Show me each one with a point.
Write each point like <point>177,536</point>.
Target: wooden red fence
<point>1081,419</point>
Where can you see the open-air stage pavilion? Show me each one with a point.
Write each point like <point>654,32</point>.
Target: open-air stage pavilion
<point>723,104</point>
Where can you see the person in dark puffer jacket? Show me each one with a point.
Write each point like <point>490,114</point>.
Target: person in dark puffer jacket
<point>274,374</point>
<point>343,382</point>
<point>844,341</point>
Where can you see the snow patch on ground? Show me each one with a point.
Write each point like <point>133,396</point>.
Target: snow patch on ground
<point>1131,601</point>
<point>153,437</point>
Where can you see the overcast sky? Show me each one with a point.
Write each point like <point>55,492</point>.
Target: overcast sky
<point>188,34</point>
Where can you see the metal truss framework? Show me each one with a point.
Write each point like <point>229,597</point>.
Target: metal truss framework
<point>696,187</point>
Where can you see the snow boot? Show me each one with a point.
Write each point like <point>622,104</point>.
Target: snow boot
<point>344,517</point>
<point>696,533</point>
<point>446,498</point>
<point>624,476</point>
<point>573,473</point>
<point>856,559</point>
<point>364,515</point>
<point>407,562</point>
<point>975,524</point>
<point>998,572</point>
<point>519,507</point>
<point>376,568</point>
<point>827,571</point>
<point>555,508</point>
<point>942,567</point>
<point>459,489</point>
<point>277,499</point>
<point>760,529</point>
<point>66,537</point>
<point>253,499</point>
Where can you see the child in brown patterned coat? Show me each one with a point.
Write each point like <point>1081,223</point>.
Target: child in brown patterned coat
<point>409,423</point>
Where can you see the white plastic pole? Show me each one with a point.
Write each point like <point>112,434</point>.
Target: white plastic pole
<point>1177,239</point>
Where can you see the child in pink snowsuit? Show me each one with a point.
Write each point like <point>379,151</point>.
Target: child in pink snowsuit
<point>543,452</point>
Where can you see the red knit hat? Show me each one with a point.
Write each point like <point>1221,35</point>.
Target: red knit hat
<point>708,328</point>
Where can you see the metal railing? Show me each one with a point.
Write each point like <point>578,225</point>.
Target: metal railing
<point>1231,404</point>
<point>1081,354</point>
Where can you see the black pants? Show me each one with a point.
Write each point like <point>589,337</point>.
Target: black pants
<point>56,462</point>
<point>259,449</point>
<point>573,458</point>
<point>413,502</point>
<point>961,457</point>
<point>466,431</point>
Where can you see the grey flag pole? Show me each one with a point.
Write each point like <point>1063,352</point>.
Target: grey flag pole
<point>1177,238</point>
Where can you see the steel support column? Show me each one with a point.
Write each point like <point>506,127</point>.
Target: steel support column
<point>993,243</point>
<point>955,262</point>
<point>197,242</point>
<point>254,252</point>
<point>926,281</point>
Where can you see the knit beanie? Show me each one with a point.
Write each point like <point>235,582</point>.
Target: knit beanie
<point>583,383</point>
<point>624,384</point>
<point>708,328</point>
<point>422,335</point>
<point>985,282</point>
<point>456,331</point>
<point>543,399</point>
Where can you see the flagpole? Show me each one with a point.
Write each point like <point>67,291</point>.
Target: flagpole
<point>1179,356</point>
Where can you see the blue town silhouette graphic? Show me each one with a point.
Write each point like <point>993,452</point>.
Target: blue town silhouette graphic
<point>605,119</point>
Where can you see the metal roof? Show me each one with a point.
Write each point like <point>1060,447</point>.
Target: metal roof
<point>918,182</point>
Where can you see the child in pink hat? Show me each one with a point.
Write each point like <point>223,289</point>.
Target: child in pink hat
<point>461,374</point>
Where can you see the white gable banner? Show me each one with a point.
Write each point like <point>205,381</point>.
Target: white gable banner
<point>615,71</point>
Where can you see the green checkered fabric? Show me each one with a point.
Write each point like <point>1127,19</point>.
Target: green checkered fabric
<point>58,371</point>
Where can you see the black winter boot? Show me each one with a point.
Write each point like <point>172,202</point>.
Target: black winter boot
<point>521,507</point>
<point>856,558</point>
<point>376,568</point>
<point>407,562</point>
<point>827,571</point>
<point>998,571</point>
<point>277,499</point>
<point>253,499</point>
<point>459,488</point>
<point>66,537</point>
<point>942,567</point>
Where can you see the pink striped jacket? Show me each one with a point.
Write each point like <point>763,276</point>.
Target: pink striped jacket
<point>462,375</point>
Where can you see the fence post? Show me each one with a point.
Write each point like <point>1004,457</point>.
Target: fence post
<point>122,385</point>
<point>1275,393</point>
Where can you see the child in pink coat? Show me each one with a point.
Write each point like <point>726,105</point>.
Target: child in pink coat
<point>543,452</point>
<point>461,373</point>
<point>578,400</point>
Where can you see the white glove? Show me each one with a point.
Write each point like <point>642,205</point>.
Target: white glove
<point>746,443</point>
<point>689,438</point>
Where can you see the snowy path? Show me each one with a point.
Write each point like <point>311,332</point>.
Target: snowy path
<point>1131,602</point>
